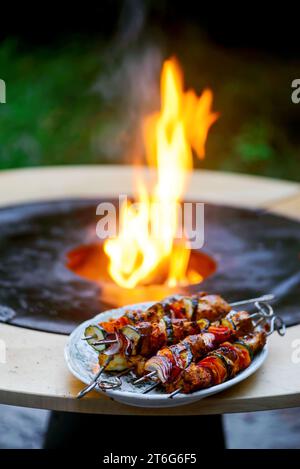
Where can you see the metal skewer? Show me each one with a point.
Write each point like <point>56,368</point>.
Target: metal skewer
<point>264,309</point>
<point>143,378</point>
<point>106,384</point>
<point>92,385</point>
<point>177,391</point>
<point>253,300</point>
<point>150,388</point>
<point>277,324</point>
<point>105,341</point>
<point>99,342</point>
<point>116,381</point>
<point>260,321</point>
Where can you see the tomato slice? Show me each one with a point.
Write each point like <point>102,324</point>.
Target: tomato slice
<point>216,366</point>
<point>221,333</point>
<point>244,356</point>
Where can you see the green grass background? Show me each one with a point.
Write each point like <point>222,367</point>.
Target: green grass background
<point>55,115</point>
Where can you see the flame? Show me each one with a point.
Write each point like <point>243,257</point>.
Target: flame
<point>145,247</point>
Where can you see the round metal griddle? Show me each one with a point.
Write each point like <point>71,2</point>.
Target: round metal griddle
<point>256,253</point>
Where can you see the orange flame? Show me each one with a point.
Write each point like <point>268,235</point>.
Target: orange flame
<point>145,246</point>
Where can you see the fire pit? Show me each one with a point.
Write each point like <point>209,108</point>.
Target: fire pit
<point>54,272</point>
<point>35,374</point>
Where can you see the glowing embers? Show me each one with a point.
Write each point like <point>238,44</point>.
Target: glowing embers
<point>91,263</point>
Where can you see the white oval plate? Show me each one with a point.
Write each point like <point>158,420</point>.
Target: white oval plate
<point>82,361</point>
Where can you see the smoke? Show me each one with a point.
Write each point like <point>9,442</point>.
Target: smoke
<point>131,22</point>
<point>128,85</point>
<point>134,81</point>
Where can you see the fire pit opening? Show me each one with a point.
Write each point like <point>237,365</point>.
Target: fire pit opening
<point>90,262</point>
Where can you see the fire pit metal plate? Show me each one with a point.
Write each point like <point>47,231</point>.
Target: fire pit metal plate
<point>256,253</point>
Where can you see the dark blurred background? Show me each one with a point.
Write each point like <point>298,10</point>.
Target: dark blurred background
<point>80,76</point>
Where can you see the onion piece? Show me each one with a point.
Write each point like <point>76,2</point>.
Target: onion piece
<point>122,346</point>
<point>162,366</point>
<point>113,349</point>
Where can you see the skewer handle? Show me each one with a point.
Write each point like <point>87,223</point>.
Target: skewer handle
<point>104,385</point>
<point>90,386</point>
<point>278,325</point>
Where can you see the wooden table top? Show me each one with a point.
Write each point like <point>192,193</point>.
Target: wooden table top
<point>34,373</point>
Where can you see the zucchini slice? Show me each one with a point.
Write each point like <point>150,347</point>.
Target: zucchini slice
<point>96,333</point>
<point>117,363</point>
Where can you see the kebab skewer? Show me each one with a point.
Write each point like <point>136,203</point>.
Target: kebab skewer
<point>169,361</point>
<point>136,344</point>
<point>160,367</point>
<point>179,356</point>
<point>193,308</point>
<point>220,365</point>
<point>225,362</point>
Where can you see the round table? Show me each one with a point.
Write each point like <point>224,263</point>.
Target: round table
<point>34,373</point>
